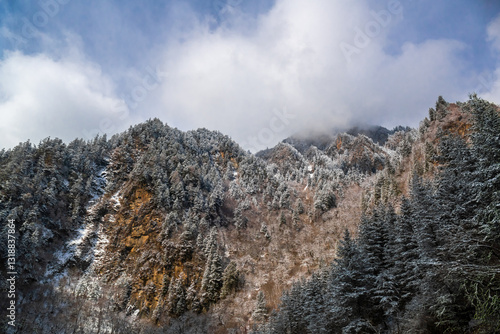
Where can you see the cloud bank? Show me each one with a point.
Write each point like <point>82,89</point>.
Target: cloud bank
<point>299,66</point>
<point>322,61</point>
<point>45,97</point>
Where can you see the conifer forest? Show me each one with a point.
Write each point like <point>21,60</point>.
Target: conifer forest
<point>157,230</point>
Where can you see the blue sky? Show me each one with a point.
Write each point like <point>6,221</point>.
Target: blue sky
<point>256,70</point>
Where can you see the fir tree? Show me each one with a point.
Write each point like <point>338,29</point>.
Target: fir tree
<point>230,279</point>
<point>260,311</point>
<point>211,283</point>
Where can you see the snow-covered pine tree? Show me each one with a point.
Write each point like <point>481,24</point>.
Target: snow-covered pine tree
<point>260,311</point>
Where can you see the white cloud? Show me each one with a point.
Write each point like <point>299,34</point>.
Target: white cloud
<point>303,65</point>
<point>42,96</point>
<point>235,79</point>
<point>493,32</point>
<point>489,83</point>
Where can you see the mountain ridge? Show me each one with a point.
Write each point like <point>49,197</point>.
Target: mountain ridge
<point>378,134</point>
<point>159,230</point>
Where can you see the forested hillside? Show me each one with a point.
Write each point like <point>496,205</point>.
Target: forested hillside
<point>431,267</point>
<point>156,230</point>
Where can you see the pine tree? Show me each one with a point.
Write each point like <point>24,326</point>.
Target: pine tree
<point>265,231</point>
<point>211,283</point>
<point>176,300</point>
<point>165,285</point>
<point>424,207</point>
<point>349,286</point>
<point>295,219</point>
<point>377,250</point>
<point>260,311</point>
<point>385,294</point>
<point>315,307</point>
<point>282,218</point>
<point>406,270</point>
<point>455,199</point>
<point>230,279</point>
<point>486,175</point>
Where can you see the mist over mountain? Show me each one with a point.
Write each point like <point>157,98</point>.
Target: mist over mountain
<point>157,230</point>
<point>321,139</point>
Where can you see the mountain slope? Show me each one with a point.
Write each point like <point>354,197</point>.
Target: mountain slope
<point>432,267</point>
<point>158,230</point>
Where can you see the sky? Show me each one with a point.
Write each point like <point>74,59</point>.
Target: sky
<point>258,71</point>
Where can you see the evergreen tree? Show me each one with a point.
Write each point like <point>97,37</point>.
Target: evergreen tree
<point>406,270</point>
<point>425,209</point>
<point>260,311</point>
<point>211,283</point>
<point>265,231</point>
<point>165,285</point>
<point>282,218</point>
<point>230,279</point>
<point>486,175</point>
<point>176,300</point>
<point>315,306</point>
<point>300,206</point>
<point>350,285</point>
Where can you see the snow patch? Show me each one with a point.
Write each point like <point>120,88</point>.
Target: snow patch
<point>116,200</point>
<point>83,233</point>
<point>100,248</point>
<point>57,270</point>
<point>62,257</point>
